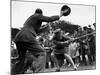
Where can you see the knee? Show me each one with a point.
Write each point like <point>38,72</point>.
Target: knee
<point>67,55</point>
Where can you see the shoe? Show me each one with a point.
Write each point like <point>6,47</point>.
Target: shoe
<point>57,70</point>
<point>75,68</point>
<point>78,64</point>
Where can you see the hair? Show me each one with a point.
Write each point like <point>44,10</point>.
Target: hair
<point>38,10</point>
<point>41,40</point>
<point>85,27</point>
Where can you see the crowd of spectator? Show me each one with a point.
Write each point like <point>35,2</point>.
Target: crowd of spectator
<point>82,50</point>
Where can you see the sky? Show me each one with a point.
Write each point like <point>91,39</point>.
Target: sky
<point>82,15</point>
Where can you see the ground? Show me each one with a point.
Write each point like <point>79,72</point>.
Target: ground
<point>80,67</point>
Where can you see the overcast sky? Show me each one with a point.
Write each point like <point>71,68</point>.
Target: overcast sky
<point>80,14</point>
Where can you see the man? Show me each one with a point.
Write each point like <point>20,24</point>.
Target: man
<point>91,42</point>
<point>84,46</point>
<point>60,49</point>
<point>26,40</point>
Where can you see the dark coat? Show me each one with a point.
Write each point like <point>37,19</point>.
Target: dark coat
<point>31,28</point>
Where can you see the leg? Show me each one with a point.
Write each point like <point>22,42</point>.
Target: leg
<point>48,59</point>
<point>54,59</point>
<point>39,64</point>
<point>18,67</point>
<point>70,60</point>
<point>39,58</point>
<point>84,59</point>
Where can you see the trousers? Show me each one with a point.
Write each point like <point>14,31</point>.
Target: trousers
<point>38,60</point>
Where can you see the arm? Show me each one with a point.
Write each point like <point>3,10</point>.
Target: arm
<point>67,40</point>
<point>52,18</point>
<point>65,43</point>
<point>48,19</point>
<point>57,42</point>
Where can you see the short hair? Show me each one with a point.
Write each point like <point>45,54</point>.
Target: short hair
<point>85,27</point>
<point>41,39</point>
<point>89,25</point>
<point>38,10</point>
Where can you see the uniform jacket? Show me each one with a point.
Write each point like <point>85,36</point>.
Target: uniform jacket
<point>32,26</point>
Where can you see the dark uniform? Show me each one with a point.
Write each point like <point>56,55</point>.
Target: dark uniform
<point>26,40</point>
